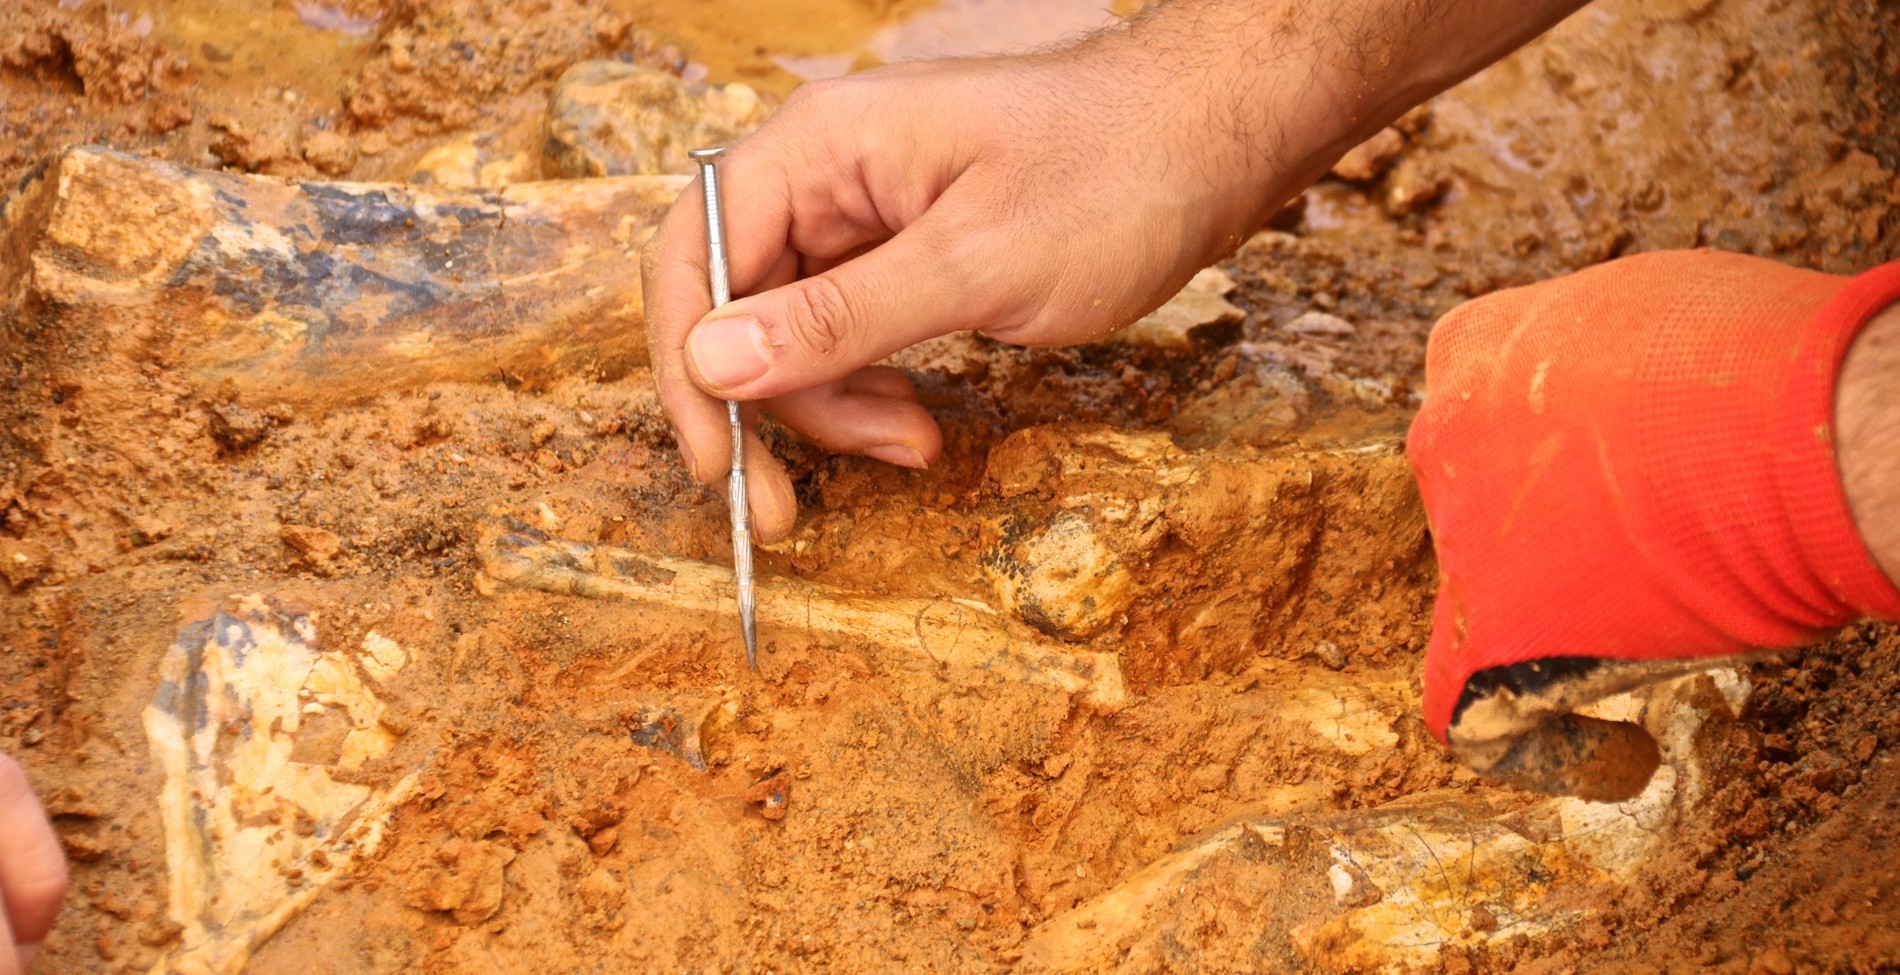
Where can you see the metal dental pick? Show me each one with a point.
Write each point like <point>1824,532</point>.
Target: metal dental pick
<point>735,481</point>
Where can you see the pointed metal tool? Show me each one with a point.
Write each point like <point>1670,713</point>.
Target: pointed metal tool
<point>735,481</point>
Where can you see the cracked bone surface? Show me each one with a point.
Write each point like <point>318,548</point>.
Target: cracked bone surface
<point>310,293</point>
<point>955,633</point>
<point>263,740</point>
<point>1388,889</point>
<point>1237,549</point>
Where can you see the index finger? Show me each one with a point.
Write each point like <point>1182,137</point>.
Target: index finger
<point>674,295</point>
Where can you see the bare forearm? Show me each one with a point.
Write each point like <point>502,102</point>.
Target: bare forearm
<point>1867,418</point>
<point>1282,88</point>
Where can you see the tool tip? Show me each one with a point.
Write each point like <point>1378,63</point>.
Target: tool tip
<point>705,154</point>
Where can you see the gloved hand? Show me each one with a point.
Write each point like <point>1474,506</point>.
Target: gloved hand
<point>1628,471</point>
<point>32,871</point>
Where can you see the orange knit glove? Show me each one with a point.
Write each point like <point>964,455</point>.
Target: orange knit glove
<point>1628,470</point>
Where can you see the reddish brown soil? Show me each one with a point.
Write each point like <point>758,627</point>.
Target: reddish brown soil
<point>930,823</point>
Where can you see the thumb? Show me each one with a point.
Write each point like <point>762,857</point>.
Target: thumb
<point>828,326</point>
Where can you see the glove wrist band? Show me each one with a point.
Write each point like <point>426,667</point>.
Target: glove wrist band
<point>1807,471</point>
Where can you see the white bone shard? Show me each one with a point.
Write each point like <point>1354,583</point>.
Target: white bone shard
<point>250,723</point>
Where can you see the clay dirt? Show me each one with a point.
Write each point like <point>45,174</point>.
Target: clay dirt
<point>376,627</point>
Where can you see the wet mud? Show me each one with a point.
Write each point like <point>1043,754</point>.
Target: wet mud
<point>473,712</point>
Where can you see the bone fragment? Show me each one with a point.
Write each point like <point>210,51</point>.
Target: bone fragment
<point>1199,314</point>
<point>258,733</point>
<point>608,118</point>
<point>311,293</point>
<point>683,724</point>
<point>1386,890</point>
<point>1206,558</point>
<point>1382,890</point>
<point>951,632</point>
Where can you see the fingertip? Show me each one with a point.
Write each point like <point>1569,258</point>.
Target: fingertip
<point>774,505</point>
<point>902,455</point>
<point>701,429</point>
<point>712,444</point>
<point>926,435</point>
<point>727,353</point>
<point>893,428</point>
<point>918,440</point>
<point>33,871</point>
<point>686,454</point>
<point>689,456</point>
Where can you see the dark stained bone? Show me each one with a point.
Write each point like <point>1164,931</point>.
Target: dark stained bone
<point>313,293</point>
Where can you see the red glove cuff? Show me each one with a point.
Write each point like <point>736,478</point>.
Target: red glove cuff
<point>1806,470</point>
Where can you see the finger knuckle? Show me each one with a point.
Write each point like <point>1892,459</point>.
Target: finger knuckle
<point>820,316</point>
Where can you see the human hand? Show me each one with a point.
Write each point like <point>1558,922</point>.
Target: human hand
<point>32,871</point>
<point>1631,470</point>
<point>1042,200</point>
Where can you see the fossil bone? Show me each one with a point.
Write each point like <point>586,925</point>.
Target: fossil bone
<point>1249,551</point>
<point>1388,889</point>
<point>311,292</point>
<point>952,632</point>
<point>258,733</point>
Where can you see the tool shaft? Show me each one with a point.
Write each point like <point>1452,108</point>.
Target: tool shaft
<point>715,233</point>
<point>721,280</point>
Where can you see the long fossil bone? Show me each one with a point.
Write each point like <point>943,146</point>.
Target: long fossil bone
<point>952,632</point>
<point>311,292</point>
